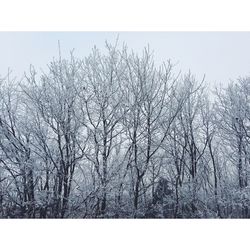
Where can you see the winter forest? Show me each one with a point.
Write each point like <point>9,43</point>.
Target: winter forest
<point>114,135</point>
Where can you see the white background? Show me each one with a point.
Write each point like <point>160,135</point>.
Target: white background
<point>130,15</point>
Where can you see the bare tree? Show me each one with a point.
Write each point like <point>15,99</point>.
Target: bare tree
<point>101,103</point>
<point>53,103</point>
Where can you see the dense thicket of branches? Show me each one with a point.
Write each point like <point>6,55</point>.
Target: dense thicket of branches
<point>114,136</point>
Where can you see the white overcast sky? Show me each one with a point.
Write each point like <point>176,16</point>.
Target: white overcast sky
<point>221,56</point>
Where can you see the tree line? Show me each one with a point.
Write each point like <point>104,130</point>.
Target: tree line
<point>113,135</point>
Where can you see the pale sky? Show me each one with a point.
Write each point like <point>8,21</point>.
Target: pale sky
<point>221,56</point>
